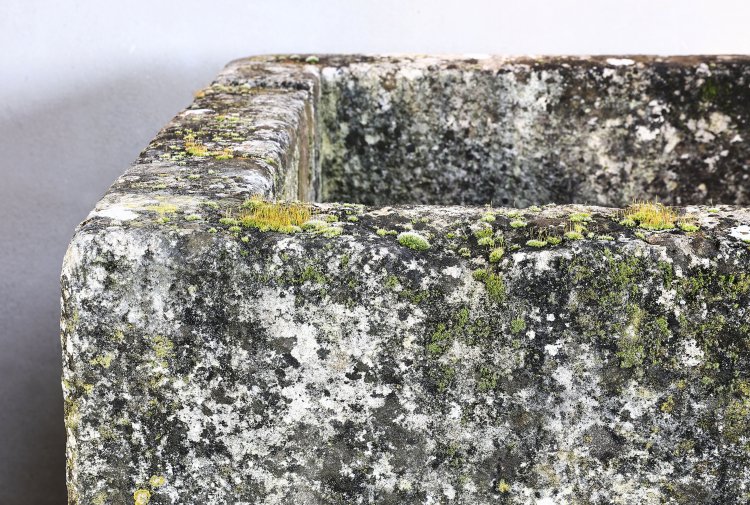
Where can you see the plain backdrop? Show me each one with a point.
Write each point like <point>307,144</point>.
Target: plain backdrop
<point>84,85</point>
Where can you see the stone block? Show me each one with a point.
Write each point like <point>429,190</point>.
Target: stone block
<point>391,280</point>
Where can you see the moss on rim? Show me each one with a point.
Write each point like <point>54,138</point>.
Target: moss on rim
<point>284,217</point>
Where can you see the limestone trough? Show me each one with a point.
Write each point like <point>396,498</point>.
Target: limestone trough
<point>422,280</point>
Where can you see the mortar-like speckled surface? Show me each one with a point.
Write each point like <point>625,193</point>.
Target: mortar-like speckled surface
<point>391,355</point>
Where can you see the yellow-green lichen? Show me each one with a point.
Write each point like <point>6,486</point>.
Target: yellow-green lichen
<point>157,481</point>
<point>162,208</point>
<point>392,282</point>
<point>667,405</point>
<point>162,346</point>
<point>503,487</point>
<point>487,380</point>
<point>118,336</point>
<point>103,360</point>
<point>224,154</point>
<point>439,340</point>
<point>446,375</point>
<point>141,497</point>
<point>517,325</point>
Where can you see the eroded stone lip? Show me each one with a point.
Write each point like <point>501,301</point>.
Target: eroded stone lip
<point>422,279</point>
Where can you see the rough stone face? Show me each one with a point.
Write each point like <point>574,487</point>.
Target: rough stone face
<point>430,354</point>
<point>521,132</point>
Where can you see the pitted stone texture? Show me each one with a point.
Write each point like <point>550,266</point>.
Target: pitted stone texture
<point>303,369</point>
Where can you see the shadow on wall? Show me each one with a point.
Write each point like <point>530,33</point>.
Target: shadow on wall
<point>57,161</point>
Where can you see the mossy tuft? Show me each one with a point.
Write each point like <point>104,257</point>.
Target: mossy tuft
<point>496,254</point>
<point>483,232</point>
<point>651,216</point>
<point>194,147</point>
<point>517,325</point>
<point>413,240</point>
<point>493,283</point>
<point>284,217</point>
<point>382,232</point>
<point>580,217</point>
<point>573,235</point>
<point>688,226</point>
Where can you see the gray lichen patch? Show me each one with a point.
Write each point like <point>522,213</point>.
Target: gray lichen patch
<point>226,339</point>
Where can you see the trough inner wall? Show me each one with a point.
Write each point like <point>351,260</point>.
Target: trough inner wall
<point>582,131</point>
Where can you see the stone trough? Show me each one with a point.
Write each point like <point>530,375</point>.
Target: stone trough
<point>422,280</point>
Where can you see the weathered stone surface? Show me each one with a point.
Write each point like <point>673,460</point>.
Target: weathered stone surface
<point>421,354</point>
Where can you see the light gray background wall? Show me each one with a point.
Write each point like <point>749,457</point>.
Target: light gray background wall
<point>85,85</point>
